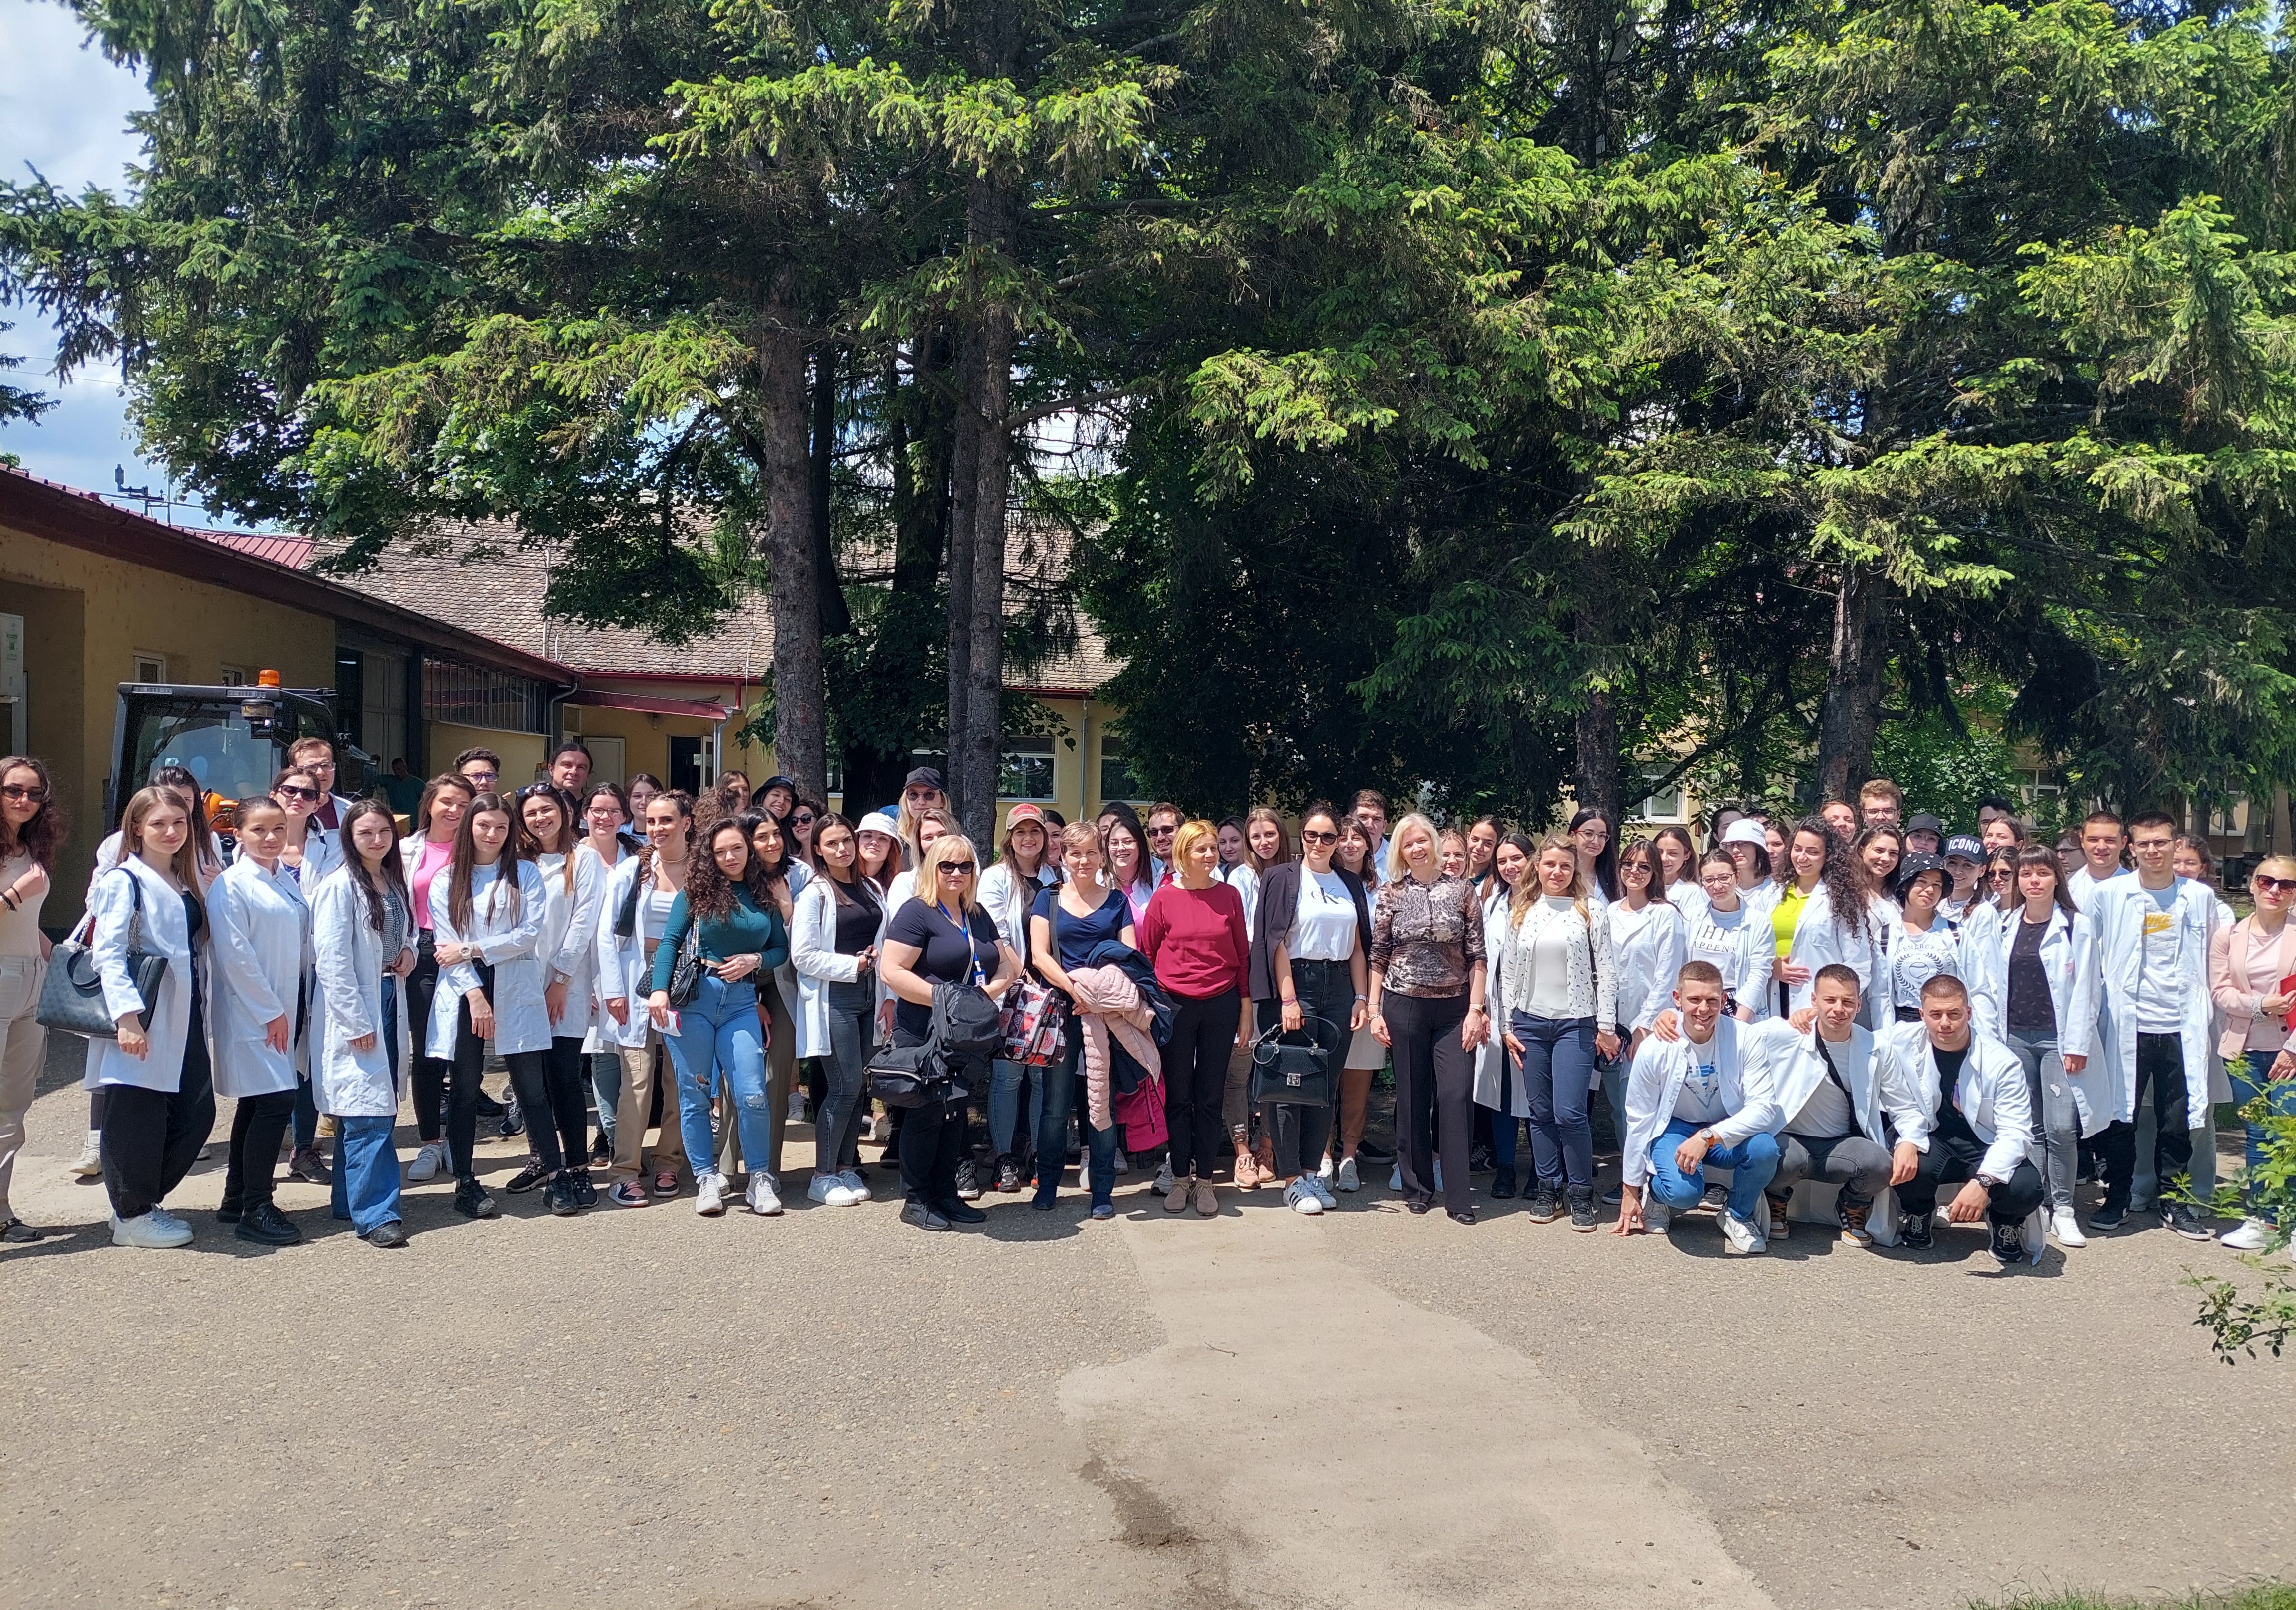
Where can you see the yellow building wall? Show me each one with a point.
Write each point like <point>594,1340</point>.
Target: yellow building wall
<point>85,619</point>
<point>645,738</point>
<point>524,755</point>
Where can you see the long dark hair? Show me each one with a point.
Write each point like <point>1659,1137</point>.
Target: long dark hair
<point>394,866</point>
<point>466,857</point>
<point>1843,877</point>
<point>1867,837</point>
<point>1606,864</point>
<point>570,828</point>
<point>444,780</point>
<point>42,835</point>
<point>709,891</point>
<point>2013,899</point>
<point>1681,836</point>
<point>840,889</point>
<point>1648,851</point>
<point>683,801</point>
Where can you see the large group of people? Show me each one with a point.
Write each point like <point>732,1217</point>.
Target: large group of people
<point>1909,1017</point>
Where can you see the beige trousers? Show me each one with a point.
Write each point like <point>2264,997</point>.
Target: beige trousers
<point>642,1065</point>
<point>23,1046</point>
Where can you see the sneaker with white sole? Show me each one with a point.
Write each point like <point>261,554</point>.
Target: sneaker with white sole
<point>1300,1198</point>
<point>1123,1164</point>
<point>796,1114</point>
<point>1740,1237</point>
<point>710,1195</point>
<point>2064,1229</point>
<point>1322,1192</point>
<point>149,1230</point>
<point>2250,1235</point>
<point>1324,1170</point>
<point>1164,1181</point>
<point>830,1191</point>
<point>1349,1178</point>
<point>765,1201</point>
<point>428,1162</point>
<point>90,1161</point>
<point>1656,1217</point>
<point>852,1179</point>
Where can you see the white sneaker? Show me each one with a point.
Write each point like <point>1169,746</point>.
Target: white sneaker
<point>2066,1228</point>
<point>1324,1172</point>
<point>710,1195</point>
<point>828,1189</point>
<point>796,1107</point>
<point>154,1229</point>
<point>880,1129</point>
<point>1740,1235</point>
<point>766,1202</point>
<point>91,1157</point>
<point>1300,1198</point>
<point>1164,1182</point>
<point>1124,1164</point>
<point>1323,1193</point>
<point>852,1179</point>
<point>2251,1235</point>
<point>427,1163</point>
<point>1657,1218</point>
<point>1349,1177</point>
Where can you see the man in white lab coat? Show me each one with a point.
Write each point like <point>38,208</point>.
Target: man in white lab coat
<point>1975,1128</point>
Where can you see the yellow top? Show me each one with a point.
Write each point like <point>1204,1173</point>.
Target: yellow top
<point>1785,915</point>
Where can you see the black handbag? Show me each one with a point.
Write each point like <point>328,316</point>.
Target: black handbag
<point>1293,1075</point>
<point>71,996</point>
<point>686,976</point>
<point>908,1076</point>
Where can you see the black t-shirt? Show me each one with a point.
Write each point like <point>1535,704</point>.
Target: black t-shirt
<point>858,917</point>
<point>1080,937</point>
<point>1950,1120</point>
<point>2031,1011</point>
<point>946,957</point>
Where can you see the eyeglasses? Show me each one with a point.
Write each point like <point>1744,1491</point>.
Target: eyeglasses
<point>2285,886</point>
<point>483,778</point>
<point>957,869</point>
<point>803,819</point>
<point>292,792</point>
<point>15,791</point>
<point>1310,835</point>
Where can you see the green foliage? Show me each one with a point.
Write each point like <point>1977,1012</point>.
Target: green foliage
<point>2242,1317</point>
<point>1945,766</point>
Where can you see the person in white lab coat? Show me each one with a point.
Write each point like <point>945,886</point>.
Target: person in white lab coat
<point>1840,1091</point>
<point>362,949</point>
<point>487,913</point>
<point>157,1076</point>
<point>2141,1016</point>
<point>631,921</point>
<point>311,852</point>
<point>607,838</point>
<point>1728,933</point>
<point>1646,948</point>
<point>2103,841</point>
<point>1826,913</point>
<point>1695,1101</point>
<point>1975,1129</point>
<point>261,939</point>
<point>556,1107</point>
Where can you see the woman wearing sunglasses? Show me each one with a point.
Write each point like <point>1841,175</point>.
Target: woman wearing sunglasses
<point>2247,961</point>
<point>307,855</point>
<point>31,831</point>
<point>942,936</point>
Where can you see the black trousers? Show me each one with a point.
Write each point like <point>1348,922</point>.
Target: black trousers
<point>1297,1135</point>
<point>932,1139</point>
<point>2159,1069</point>
<point>1434,1094</point>
<point>465,1072</point>
<point>152,1137</point>
<point>429,1073</point>
<point>1953,1159</point>
<point>256,1128</point>
<point>556,1107</point>
<point>1195,1079</point>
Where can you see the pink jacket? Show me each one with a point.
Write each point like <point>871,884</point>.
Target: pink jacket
<point>1106,999</point>
<point>2233,981</point>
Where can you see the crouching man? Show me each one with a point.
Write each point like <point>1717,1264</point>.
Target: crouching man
<point>1691,1101</point>
<point>1974,1127</point>
<point>1839,1088</point>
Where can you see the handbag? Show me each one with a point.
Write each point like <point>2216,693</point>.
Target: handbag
<point>686,976</point>
<point>71,996</point>
<point>1141,1111</point>
<point>1037,1015</point>
<point>908,1075</point>
<point>1294,1074</point>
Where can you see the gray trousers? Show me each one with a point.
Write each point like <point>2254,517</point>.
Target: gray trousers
<point>1857,1164</point>
<point>2059,1118</point>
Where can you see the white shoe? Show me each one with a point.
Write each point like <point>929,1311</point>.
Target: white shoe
<point>2251,1234</point>
<point>796,1107</point>
<point>91,1157</point>
<point>852,1179</point>
<point>830,1190</point>
<point>1740,1235</point>
<point>427,1163</point>
<point>154,1229</point>
<point>879,1130</point>
<point>1324,1172</point>
<point>1300,1198</point>
<point>1164,1181</point>
<point>1123,1163</point>
<point>1349,1177</point>
<point>710,1196</point>
<point>1657,1218</point>
<point>2066,1228</point>
<point>766,1202</point>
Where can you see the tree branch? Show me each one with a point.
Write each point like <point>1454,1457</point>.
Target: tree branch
<point>1079,404</point>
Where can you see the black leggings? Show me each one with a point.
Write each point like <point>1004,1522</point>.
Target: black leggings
<point>430,1072</point>
<point>256,1128</point>
<point>468,1069</point>
<point>557,1110</point>
<point>1195,1080</point>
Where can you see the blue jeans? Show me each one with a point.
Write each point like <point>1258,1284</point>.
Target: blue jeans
<point>1004,1080</point>
<point>1558,1065</point>
<point>1752,1162</point>
<point>366,1172</point>
<point>718,1034</point>
<point>2246,1073</point>
<point>606,1088</point>
<point>1059,1085</point>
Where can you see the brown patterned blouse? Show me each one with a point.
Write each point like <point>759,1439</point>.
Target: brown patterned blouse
<point>1425,937</point>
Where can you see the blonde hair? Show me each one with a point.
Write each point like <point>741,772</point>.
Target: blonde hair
<point>1413,823</point>
<point>2286,864</point>
<point>1530,886</point>
<point>951,845</point>
<point>1190,835</point>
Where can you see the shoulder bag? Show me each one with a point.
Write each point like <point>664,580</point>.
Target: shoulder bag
<point>1037,1015</point>
<point>71,996</point>
<point>685,976</point>
<point>1293,1075</point>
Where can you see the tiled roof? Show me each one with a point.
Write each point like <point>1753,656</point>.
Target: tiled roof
<point>292,551</point>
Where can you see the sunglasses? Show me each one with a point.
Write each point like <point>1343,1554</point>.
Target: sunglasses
<point>292,792</point>
<point>1161,832</point>
<point>957,869</point>
<point>483,778</point>
<point>2285,886</point>
<point>14,791</point>
<point>1310,835</point>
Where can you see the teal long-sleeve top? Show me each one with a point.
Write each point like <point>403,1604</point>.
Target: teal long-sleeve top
<point>746,928</point>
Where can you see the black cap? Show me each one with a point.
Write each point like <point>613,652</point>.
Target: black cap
<point>1923,822</point>
<point>924,776</point>
<point>1966,845</point>
<point>778,781</point>
<point>1914,866</point>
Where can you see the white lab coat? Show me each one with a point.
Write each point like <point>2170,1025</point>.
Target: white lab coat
<point>507,941</point>
<point>347,986</point>
<point>814,958</point>
<point>598,1038</point>
<point>567,943</point>
<point>1646,947</point>
<point>1742,954</point>
<point>1654,1083</point>
<point>112,901</point>
<point>1882,1097</point>
<point>1991,1093</point>
<point>2083,885</point>
<point>1819,941</point>
<point>260,944</point>
<point>1245,882</point>
<point>2065,942</point>
<point>2100,1019</point>
<point>323,853</point>
<point>1490,1057</point>
<point>624,973</point>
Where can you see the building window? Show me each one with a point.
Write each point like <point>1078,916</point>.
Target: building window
<point>470,697</point>
<point>150,668</point>
<point>1116,778</point>
<point>234,676</point>
<point>1661,807</point>
<point>2036,788</point>
<point>1024,770</point>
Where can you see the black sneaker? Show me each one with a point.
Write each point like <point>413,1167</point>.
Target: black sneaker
<point>308,1163</point>
<point>1008,1174</point>
<point>391,1232</point>
<point>265,1225</point>
<point>532,1177</point>
<point>513,1124</point>
<point>2109,1217</point>
<point>601,1151</point>
<point>961,1213</point>
<point>585,1189</point>
<point>1917,1232</point>
<point>1582,1209</point>
<point>968,1182</point>
<point>2186,1221</point>
<point>487,1106</point>
<point>2009,1245</point>
<point>1503,1183</point>
<point>228,1213</point>
<point>1375,1151</point>
<point>471,1201</point>
<point>1542,1205</point>
<point>564,1202</point>
<point>1481,1160</point>
<point>924,1216</point>
<point>1715,1199</point>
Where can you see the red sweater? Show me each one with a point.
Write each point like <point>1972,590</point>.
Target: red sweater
<point>1196,939</point>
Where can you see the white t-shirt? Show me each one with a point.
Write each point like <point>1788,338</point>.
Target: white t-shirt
<point>1700,1101</point>
<point>1550,958</point>
<point>1323,924</point>
<point>2161,980</point>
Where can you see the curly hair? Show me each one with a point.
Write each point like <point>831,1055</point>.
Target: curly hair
<point>709,891</point>
<point>42,837</point>
<point>1843,877</point>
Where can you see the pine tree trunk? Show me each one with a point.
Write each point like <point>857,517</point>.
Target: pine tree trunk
<point>975,743</point>
<point>964,496</point>
<point>1595,778</point>
<point>800,689</point>
<point>1852,711</point>
<point>836,618</point>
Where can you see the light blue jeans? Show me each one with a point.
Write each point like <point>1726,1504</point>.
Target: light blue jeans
<point>718,1036</point>
<point>1752,1162</point>
<point>366,1172</point>
<point>2247,1072</point>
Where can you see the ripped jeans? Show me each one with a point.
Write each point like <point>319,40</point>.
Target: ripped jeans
<point>718,1039</point>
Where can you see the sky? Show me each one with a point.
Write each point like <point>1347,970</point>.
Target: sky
<point>64,111</point>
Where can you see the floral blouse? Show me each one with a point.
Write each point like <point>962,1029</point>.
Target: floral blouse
<point>1426,937</point>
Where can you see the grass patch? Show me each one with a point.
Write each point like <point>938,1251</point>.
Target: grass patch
<point>2279,1597</point>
